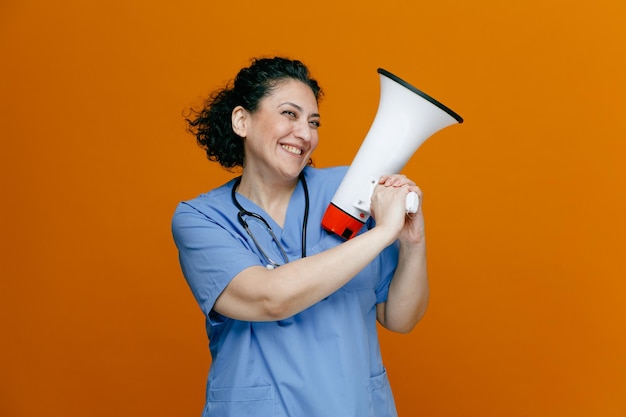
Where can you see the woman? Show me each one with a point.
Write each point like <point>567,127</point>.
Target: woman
<point>291,309</point>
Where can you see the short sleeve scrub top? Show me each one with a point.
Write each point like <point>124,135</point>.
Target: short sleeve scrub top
<point>323,361</point>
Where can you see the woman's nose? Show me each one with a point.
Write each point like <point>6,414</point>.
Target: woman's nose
<point>303,130</point>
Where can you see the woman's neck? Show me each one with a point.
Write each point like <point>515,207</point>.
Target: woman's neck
<point>271,196</point>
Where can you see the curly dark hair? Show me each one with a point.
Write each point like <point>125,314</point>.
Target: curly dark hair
<point>212,125</point>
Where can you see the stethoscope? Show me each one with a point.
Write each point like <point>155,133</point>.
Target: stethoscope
<point>243,212</point>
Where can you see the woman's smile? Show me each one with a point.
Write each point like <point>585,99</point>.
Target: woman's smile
<point>292,149</point>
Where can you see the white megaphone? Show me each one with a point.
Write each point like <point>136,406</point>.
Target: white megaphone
<point>405,118</point>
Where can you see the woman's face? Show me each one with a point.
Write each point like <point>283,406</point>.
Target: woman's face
<point>282,134</point>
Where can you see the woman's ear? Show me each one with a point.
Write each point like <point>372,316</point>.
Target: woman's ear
<point>239,118</point>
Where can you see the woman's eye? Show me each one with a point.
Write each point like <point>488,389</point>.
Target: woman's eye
<point>315,123</point>
<point>289,113</point>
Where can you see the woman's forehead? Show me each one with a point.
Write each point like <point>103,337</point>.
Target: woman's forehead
<point>294,91</point>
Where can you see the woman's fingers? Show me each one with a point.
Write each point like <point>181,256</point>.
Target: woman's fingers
<point>395,180</point>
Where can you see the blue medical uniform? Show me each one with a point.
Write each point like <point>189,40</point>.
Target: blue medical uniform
<point>323,361</point>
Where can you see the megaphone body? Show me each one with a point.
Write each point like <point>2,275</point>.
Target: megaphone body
<point>405,118</point>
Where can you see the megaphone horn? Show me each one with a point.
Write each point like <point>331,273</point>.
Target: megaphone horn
<point>405,118</point>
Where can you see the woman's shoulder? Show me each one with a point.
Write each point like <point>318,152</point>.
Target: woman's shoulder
<point>208,203</point>
<point>329,174</point>
<point>324,182</point>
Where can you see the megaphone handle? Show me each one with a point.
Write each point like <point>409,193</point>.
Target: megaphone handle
<point>412,202</point>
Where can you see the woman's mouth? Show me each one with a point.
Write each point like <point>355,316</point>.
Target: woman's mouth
<point>292,149</point>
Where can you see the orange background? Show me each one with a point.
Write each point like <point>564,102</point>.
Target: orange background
<point>525,202</point>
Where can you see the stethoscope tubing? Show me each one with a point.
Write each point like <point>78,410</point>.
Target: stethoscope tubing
<point>243,212</point>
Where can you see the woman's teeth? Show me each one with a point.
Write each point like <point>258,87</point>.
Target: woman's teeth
<point>292,149</point>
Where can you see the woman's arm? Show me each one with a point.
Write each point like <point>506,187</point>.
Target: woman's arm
<point>259,294</point>
<point>409,291</point>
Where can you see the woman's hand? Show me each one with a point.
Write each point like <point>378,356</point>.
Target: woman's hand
<point>388,208</point>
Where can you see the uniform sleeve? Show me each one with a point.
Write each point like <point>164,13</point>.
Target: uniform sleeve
<point>388,264</point>
<point>210,256</point>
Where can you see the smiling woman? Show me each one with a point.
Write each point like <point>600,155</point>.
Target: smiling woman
<point>280,135</point>
<point>291,308</point>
